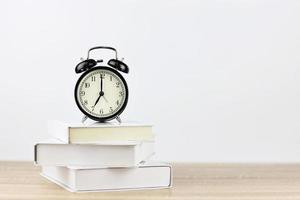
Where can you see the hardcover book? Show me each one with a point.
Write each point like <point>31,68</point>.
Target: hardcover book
<point>81,179</point>
<point>99,132</point>
<point>108,154</point>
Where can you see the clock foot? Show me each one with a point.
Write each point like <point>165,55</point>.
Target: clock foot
<point>119,119</point>
<point>84,118</point>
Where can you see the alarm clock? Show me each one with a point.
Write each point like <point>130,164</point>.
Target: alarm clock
<point>101,92</point>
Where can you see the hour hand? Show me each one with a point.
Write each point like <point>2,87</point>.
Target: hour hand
<point>96,102</point>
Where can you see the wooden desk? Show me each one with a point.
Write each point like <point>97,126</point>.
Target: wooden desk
<point>21,180</point>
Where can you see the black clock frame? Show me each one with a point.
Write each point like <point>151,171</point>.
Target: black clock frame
<point>115,115</point>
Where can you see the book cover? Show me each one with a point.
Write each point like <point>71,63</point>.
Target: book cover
<point>108,154</point>
<point>83,179</point>
<point>99,132</point>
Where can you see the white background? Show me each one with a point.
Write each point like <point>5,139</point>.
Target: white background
<point>218,79</point>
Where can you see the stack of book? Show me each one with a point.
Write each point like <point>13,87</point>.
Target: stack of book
<point>101,157</point>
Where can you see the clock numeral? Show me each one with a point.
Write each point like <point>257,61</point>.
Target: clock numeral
<point>82,93</point>
<point>118,84</point>
<point>87,85</point>
<point>93,78</point>
<point>85,102</point>
<point>118,102</point>
<point>121,93</point>
<point>111,109</point>
<point>102,75</point>
<point>101,111</point>
<point>110,78</point>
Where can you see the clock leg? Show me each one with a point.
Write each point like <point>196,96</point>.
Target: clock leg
<point>84,118</point>
<point>119,119</point>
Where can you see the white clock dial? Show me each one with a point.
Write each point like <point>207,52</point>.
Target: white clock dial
<point>101,93</point>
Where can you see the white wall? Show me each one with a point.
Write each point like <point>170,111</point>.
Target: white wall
<point>219,79</point>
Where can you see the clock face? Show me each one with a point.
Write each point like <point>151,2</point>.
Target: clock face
<point>101,93</point>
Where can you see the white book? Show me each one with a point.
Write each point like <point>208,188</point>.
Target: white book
<point>99,132</point>
<point>78,179</point>
<point>106,154</point>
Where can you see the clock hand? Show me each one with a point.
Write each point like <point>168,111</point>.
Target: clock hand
<point>100,94</point>
<point>101,83</point>
<point>96,101</point>
<point>101,86</point>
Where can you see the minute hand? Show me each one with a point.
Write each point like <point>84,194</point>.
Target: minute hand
<point>101,84</point>
<point>101,92</point>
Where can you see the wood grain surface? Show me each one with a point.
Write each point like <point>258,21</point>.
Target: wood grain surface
<point>21,180</point>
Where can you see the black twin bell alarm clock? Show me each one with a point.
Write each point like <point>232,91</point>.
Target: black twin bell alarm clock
<point>101,92</point>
